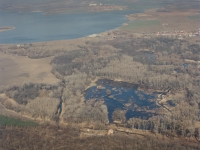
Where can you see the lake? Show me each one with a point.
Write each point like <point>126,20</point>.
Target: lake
<point>124,96</point>
<point>37,27</point>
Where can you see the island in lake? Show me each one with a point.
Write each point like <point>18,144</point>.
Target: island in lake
<point>6,28</point>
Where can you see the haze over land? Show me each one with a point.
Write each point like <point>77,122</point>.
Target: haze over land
<point>128,77</point>
<point>63,6</point>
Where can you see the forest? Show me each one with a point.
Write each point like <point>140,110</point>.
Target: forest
<point>155,64</point>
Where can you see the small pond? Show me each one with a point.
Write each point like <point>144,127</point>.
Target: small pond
<point>124,96</point>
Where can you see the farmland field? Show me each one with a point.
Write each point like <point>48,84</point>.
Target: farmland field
<point>141,24</point>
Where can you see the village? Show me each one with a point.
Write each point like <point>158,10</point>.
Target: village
<point>171,34</point>
<point>104,7</point>
<point>178,34</point>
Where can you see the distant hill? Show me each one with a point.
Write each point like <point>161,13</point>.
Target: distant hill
<point>56,6</point>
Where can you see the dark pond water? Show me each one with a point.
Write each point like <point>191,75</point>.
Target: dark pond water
<point>185,66</point>
<point>59,108</point>
<point>171,103</point>
<point>124,96</point>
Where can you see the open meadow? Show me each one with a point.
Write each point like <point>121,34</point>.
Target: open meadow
<point>20,69</point>
<point>142,24</point>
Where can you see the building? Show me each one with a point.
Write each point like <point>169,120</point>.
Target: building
<point>92,4</point>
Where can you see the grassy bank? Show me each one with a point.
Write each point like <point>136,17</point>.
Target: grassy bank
<point>140,24</point>
<point>9,121</point>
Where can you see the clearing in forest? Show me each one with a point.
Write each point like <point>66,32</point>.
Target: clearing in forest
<point>20,69</point>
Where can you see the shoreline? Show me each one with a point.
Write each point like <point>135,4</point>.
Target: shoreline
<point>89,36</point>
<point>63,40</point>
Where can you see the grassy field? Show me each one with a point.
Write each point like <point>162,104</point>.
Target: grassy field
<point>195,17</point>
<point>140,24</point>
<point>8,121</point>
<point>19,69</point>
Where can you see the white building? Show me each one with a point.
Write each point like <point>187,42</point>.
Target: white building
<point>93,4</point>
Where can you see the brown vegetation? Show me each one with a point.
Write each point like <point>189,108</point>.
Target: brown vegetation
<point>68,138</point>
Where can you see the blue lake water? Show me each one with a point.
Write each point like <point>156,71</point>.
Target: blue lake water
<point>37,27</point>
<point>123,96</point>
